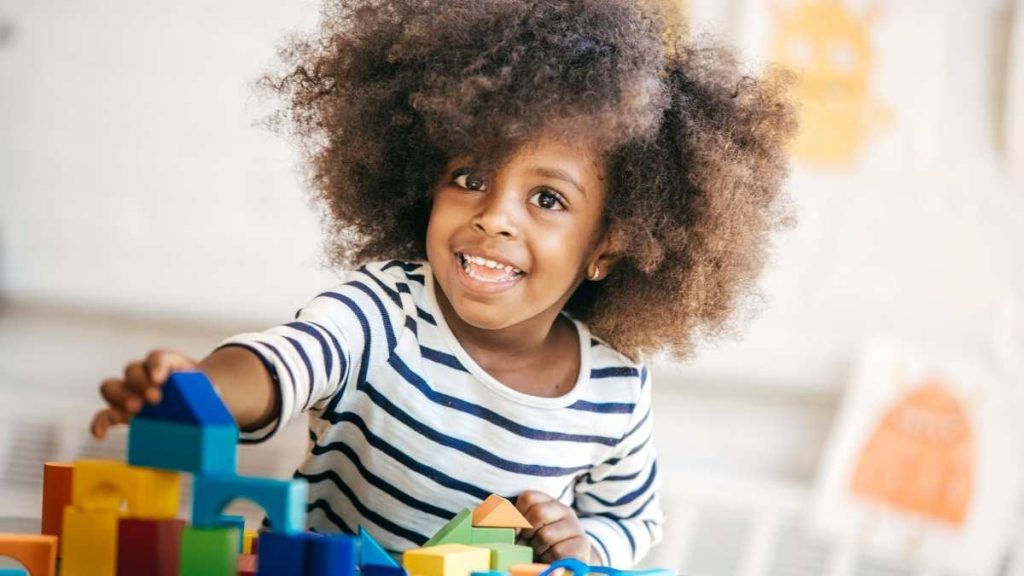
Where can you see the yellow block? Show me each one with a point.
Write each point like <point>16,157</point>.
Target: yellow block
<point>247,539</point>
<point>101,485</point>
<point>88,543</point>
<point>446,560</point>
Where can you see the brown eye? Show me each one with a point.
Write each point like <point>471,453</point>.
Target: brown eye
<point>466,178</point>
<point>548,200</point>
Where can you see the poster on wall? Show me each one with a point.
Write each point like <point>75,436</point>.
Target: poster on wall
<point>924,463</point>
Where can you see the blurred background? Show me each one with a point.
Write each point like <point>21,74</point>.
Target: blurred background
<point>866,419</point>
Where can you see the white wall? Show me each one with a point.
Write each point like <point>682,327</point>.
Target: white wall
<point>132,178</point>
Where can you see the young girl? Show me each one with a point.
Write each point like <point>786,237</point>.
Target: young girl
<point>538,194</point>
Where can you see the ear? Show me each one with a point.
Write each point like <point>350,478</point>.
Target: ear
<point>604,257</point>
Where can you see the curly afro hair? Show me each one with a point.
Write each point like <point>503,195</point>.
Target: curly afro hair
<point>387,91</point>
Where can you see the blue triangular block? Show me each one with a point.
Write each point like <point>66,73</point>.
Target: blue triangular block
<point>189,397</point>
<point>370,552</point>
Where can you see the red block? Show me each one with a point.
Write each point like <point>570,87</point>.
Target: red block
<point>56,495</point>
<point>150,547</point>
<point>247,565</point>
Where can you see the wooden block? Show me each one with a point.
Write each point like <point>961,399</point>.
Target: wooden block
<point>57,478</point>
<point>282,554</point>
<point>527,569</point>
<point>238,522</point>
<point>284,501</point>
<point>89,543</point>
<point>151,547</point>
<point>209,551</point>
<point>458,530</point>
<point>189,397</point>
<point>248,539</point>
<point>100,486</point>
<point>505,555</point>
<point>497,512</point>
<point>13,572</point>
<point>336,555</point>
<point>247,565</point>
<point>446,560</point>
<point>183,447</point>
<point>370,552</point>
<point>487,535</point>
<point>36,552</point>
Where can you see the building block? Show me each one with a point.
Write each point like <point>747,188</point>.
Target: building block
<point>336,555</point>
<point>284,501</point>
<point>238,522</point>
<point>489,573</point>
<point>527,569</point>
<point>282,554</point>
<point>89,543</point>
<point>505,555</point>
<point>13,572</point>
<point>151,547</point>
<point>248,539</point>
<point>57,478</point>
<point>100,485</point>
<point>488,535</point>
<point>183,447</point>
<point>247,565</point>
<point>209,551</point>
<point>370,552</point>
<point>497,512</point>
<point>378,570</point>
<point>458,530</point>
<point>446,560</point>
<point>36,552</point>
<point>189,397</point>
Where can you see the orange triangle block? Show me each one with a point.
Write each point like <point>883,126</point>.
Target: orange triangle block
<point>497,512</point>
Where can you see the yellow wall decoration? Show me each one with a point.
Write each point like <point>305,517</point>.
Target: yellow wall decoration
<point>829,49</point>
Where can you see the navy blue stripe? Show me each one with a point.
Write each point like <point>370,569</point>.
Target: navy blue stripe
<point>417,278</point>
<point>603,407</point>
<point>463,446</point>
<point>426,316</point>
<point>372,515</point>
<point>442,358</point>
<point>613,372</point>
<point>410,323</point>
<point>272,371</point>
<point>405,266</point>
<point>342,358</point>
<point>616,522</point>
<point>291,377</point>
<point>389,334</point>
<point>393,294</point>
<point>512,426</point>
<point>324,349</point>
<point>643,377</point>
<point>589,480</point>
<point>309,368</point>
<point>364,364</point>
<point>323,506</point>
<point>379,482</point>
<point>631,496</point>
<point>607,557</point>
<point>409,463</point>
<point>634,450</point>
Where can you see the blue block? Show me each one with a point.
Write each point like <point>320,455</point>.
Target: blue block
<point>14,572</point>
<point>183,447</point>
<point>378,570</point>
<point>189,397</point>
<point>284,501</point>
<point>237,522</point>
<point>282,554</point>
<point>370,552</point>
<point>333,555</point>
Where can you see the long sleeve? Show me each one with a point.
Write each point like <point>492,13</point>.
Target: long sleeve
<point>332,340</point>
<point>617,501</point>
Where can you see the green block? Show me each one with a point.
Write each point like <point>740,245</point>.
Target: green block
<point>209,551</point>
<point>458,530</point>
<point>504,555</point>
<point>495,535</point>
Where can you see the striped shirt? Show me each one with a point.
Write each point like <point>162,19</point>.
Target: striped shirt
<point>407,430</point>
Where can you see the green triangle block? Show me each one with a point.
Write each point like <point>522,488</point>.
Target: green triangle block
<point>496,535</point>
<point>504,556</point>
<point>458,530</point>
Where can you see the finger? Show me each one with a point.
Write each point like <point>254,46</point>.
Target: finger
<point>552,534</point>
<point>527,503</point>
<point>577,547</point>
<point>544,513</point>
<point>160,364</point>
<point>106,418</point>
<point>118,396</point>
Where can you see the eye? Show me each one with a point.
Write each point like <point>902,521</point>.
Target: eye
<point>466,178</point>
<point>548,200</point>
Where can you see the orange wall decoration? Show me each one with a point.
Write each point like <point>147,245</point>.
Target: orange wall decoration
<point>921,457</point>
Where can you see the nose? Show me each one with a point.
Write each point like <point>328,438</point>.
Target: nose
<point>496,216</point>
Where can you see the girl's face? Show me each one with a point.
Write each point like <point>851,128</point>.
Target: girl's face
<point>513,245</point>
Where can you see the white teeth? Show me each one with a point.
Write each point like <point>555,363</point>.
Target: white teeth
<point>490,263</point>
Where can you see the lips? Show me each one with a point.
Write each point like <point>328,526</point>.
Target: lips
<point>478,274</point>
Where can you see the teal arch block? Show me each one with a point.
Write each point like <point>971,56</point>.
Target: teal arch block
<point>284,501</point>
<point>183,447</point>
<point>370,552</point>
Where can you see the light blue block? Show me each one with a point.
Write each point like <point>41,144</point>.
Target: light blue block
<point>13,572</point>
<point>284,501</point>
<point>183,447</point>
<point>370,552</point>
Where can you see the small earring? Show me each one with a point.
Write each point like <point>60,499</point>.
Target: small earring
<point>597,272</point>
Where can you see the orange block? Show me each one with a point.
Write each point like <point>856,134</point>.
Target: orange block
<point>56,495</point>
<point>37,553</point>
<point>531,570</point>
<point>497,512</point>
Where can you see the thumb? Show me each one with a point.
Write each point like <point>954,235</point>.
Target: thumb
<point>161,363</point>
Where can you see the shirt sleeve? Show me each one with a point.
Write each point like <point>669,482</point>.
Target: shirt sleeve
<point>617,501</point>
<point>328,347</point>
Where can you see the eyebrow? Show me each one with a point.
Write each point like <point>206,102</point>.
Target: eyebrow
<point>561,175</point>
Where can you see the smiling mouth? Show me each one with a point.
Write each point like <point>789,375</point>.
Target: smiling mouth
<point>486,270</point>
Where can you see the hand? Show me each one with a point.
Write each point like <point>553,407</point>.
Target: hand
<point>557,532</point>
<point>141,384</point>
